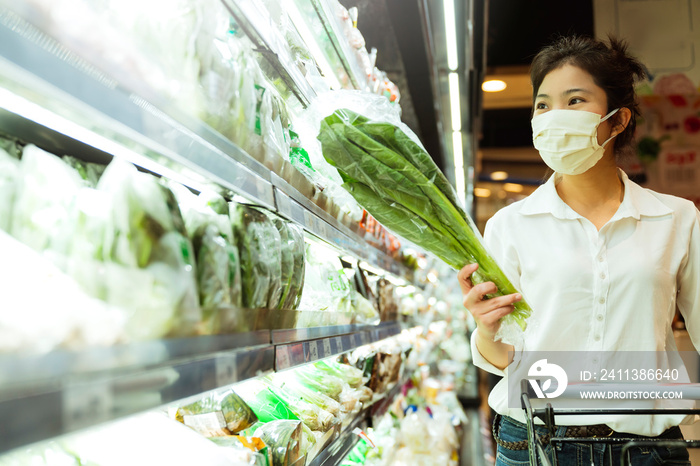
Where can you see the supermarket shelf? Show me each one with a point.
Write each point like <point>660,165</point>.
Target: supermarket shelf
<point>302,352</point>
<point>43,83</point>
<point>56,406</point>
<point>312,333</point>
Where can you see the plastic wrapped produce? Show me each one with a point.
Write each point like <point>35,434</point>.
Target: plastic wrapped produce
<point>352,375</point>
<point>319,380</point>
<point>279,264</point>
<point>89,172</point>
<point>387,170</point>
<point>45,203</point>
<point>297,245</point>
<point>9,175</point>
<point>259,246</point>
<point>61,316</point>
<point>218,265</point>
<point>252,451</point>
<point>315,417</point>
<point>266,405</point>
<point>217,414</point>
<point>295,388</point>
<point>326,288</point>
<point>150,269</point>
<point>284,437</point>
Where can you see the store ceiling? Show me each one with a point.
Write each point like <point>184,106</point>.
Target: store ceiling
<point>515,31</point>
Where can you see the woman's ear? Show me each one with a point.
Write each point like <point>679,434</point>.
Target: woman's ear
<point>620,121</point>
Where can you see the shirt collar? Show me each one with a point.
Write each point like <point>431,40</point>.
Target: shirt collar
<point>637,202</point>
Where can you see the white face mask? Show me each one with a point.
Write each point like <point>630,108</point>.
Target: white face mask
<point>567,140</point>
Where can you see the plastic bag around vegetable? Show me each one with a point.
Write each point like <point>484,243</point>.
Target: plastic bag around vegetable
<point>218,265</point>
<point>298,247</point>
<point>326,288</point>
<point>9,177</point>
<point>388,171</point>
<point>281,260</point>
<point>258,243</point>
<point>150,265</point>
<point>284,437</point>
<point>319,380</point>
<point>89,172</point>
<point>315,417</point>
<point>295,388</point>
<point>62,315</point>
<point>266,405</point>
<point>250,451</point>
<point>352,375</point>
<point>217,414</point>
<point>45,203</point>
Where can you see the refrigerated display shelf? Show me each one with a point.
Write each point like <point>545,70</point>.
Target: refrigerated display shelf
<point>63,391</point>
<point>45,409</point>
<point>49,101</point>
<point>301,352</point>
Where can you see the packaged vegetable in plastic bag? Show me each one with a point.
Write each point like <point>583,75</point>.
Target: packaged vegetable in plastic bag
<point>297,244</point>
<point>45,203</point>
<point>295,388</point>
<point>218,264</point>
<point>352,375</point>
<point>266,405</point>
<point>322,381</point>
<point>259,246</point>
<point>387,170</point>
<point>315,417</point>
<point>284,437</point>
<point>9,175</point>
<point>326,287</point>
<point>251,451</point>
<point>152,270</point>
<point>217,414</point>
<point>89,172</point>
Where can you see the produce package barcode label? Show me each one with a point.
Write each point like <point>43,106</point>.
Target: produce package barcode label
<point>226,370</point>
<point>85,405</point>
<point>208,424</point>
<point>313,350</point>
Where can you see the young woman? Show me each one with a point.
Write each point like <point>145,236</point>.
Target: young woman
<point>602,262</point>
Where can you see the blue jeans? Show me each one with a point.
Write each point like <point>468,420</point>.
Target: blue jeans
<point>579,454</point>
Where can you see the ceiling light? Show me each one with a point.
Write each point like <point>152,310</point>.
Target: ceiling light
<point>482,192</point>
<point>499,175</point>
<point>451,34</point>
<point>493,85</point>
<point>455,97</point>
<point>513,187</point>
<point>458,157</point>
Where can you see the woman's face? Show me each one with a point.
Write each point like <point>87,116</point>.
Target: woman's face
<point>570,87</point>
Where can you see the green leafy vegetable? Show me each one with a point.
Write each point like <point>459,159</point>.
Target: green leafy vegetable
<point>396,181</point>
<point>237,415</point>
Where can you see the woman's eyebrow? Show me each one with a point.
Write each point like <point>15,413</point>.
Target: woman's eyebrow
<point>577,90</point>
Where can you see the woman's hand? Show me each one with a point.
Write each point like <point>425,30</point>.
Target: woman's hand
<point>486,312</point>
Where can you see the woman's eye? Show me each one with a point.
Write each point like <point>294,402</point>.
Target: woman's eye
<point>575,100</point>
<point>540,105</point>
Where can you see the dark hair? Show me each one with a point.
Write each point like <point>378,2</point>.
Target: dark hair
<point>612,68</point>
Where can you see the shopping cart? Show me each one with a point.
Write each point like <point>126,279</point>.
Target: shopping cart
<point>536,444</point>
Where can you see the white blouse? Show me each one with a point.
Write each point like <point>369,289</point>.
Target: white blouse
<point>610,290</point>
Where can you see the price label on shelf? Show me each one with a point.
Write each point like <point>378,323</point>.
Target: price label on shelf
<point>282,356</point>
<point>226,370</point>
<point>353,341</point>
<point>327,351</point>
<point>338,344</point>
<point>284,204</point>
<point>313,351</point>
<point>85,405</point>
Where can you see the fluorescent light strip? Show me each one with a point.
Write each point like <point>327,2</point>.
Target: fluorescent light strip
<point>451,34</point>
<point>458,156</point>
<point>455,98</point>
<point>312,45</point>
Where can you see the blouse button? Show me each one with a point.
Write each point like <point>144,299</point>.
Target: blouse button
<point>597,338</point>
<point>601,300</point>
<point>602,276</point>
<point>599,317</point>
<point>600,259</point>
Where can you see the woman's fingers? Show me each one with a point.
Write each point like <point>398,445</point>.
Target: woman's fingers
<point>464,277</point>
